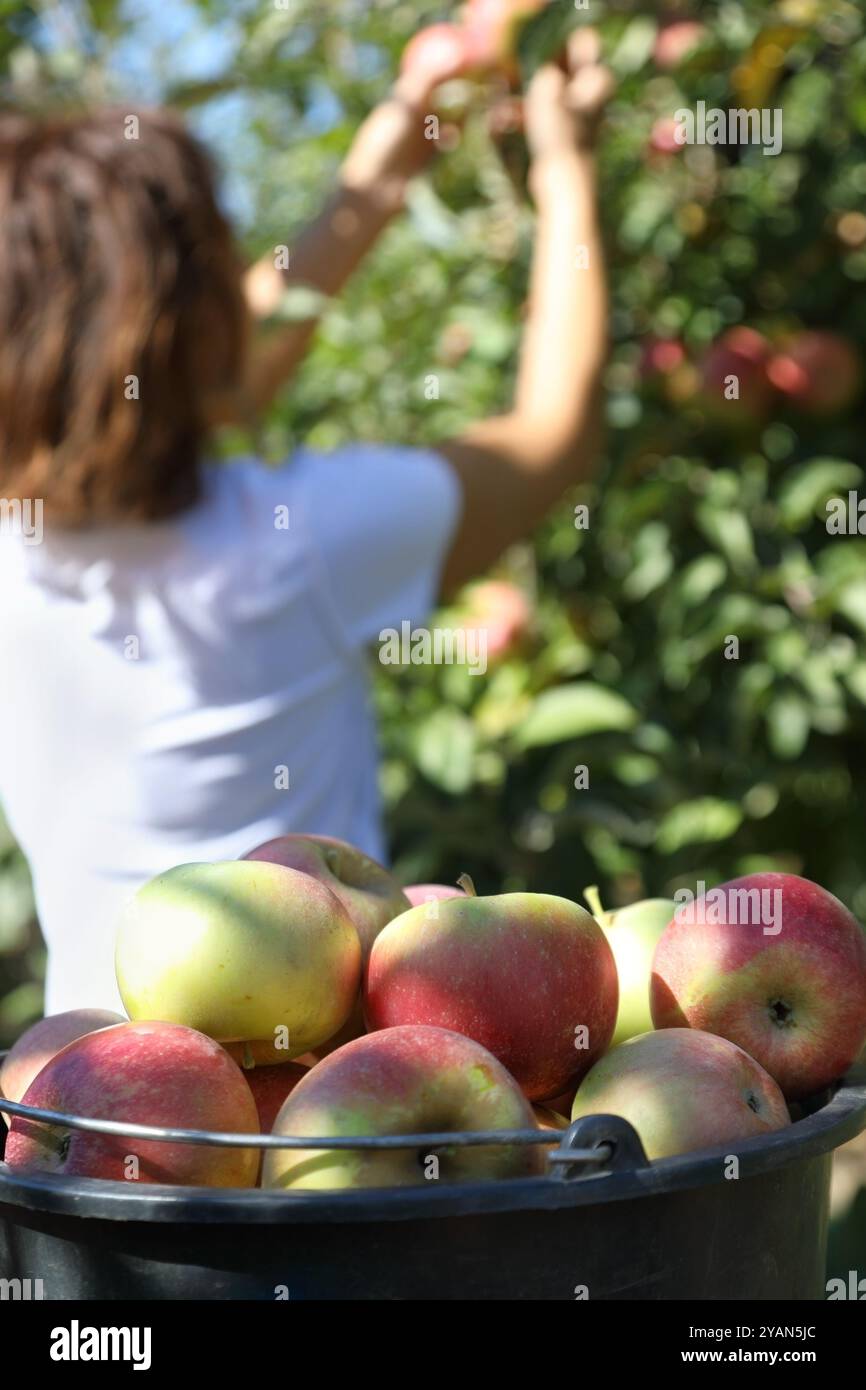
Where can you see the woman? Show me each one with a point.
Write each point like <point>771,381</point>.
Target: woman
<point>184,644</point>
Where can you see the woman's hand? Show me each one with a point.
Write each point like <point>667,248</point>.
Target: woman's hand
<point>396,142</point>
<point>563,109</point>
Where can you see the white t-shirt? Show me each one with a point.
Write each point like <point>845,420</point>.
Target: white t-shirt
<point>160,684</point>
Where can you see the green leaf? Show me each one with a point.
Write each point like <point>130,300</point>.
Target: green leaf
<point>703,820</point>
<point>635,47</point>
<point>788,725</point>
<point>807,488</point>
<point>544,36</point>
<point>574,711</point>
<point>851,603</point>
<point>444,747</point>
<point>298,304</point>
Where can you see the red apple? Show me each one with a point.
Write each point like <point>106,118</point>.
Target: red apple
<point>419,893</point>
<point>271,1087</point>
<point>736,387</point>
<point>403,1081</point>
<point>493,28</point>
<point>663,136</point>
<point>368,892</point>
<point>529,976</point>
<point>683,1090</point>
<point>438,53</point>
<point>501,611</point>
<point>820,373</point>
<point>777,965</point>
<point>660,356</point>
<point>675,41</point>
<point>148,1074</point>
<point>43,1041</point>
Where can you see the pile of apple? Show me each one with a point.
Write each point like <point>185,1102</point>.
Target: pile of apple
<point>301,991</point>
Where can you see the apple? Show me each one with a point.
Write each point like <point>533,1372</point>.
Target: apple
<point>404,1080</point>
<point>370,895</point>
<point>775,964</point>
<point>529,976</point>
<point>633,933</point>
<point>663,136</point>
<point>240,950</point>
<point>438,54</point>
<point>419,893</point>
<point>562,1103</point>
<point>683,1090</point>
<point>675,41</point>
<point>743,354</point>
<point>546,1118</point>
<point>271,1087</point>
<point>147,1074</point>
<point>493,28</point>
<point>43,1041</point>
<point>819,373</point>
<point>660,357</point>
<point>501,611</point>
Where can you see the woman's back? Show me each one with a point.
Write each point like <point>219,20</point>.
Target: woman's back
<point>213,667</point>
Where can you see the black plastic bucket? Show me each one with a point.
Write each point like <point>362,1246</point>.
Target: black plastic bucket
<point>607,1226</point>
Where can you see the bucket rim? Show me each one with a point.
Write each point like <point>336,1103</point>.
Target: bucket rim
<point>818,1134</point>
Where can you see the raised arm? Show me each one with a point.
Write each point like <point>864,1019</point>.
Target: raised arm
<point>514,467</point>
<point>389,150</point>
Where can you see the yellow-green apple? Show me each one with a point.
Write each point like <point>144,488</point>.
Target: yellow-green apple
<point>683,1090</point>
<point>368,892</point>
<point>271,1087</point>
<point>777,965</point>
<point>633,933</point>
<point>420,893</point>
<point>43,1041</point>
<point>148,1074</point>
<point>402,1081</point>
<point>529,976</point>
<point>818,372</point>
<point>240,950</point>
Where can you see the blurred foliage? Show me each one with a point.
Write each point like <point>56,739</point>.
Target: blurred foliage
<point>698,766</point>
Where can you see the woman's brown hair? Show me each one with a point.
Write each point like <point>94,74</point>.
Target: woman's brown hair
<point>121,314</point>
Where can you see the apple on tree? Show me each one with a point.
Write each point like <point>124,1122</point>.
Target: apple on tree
<point>736,388</point>
<point>148,1074</point>
<point>35,1048</point>
<point>240,950</point>
<point>775,964</point>
<point>404,1080</point>
<point>493,27</point>
<point>529,976</point>
<point>438,54</point>
<point>819,373</point>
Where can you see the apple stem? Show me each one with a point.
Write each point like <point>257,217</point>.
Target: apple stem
<point>593,897</point>
<point>249,1060</point>
<point>465,882</point>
